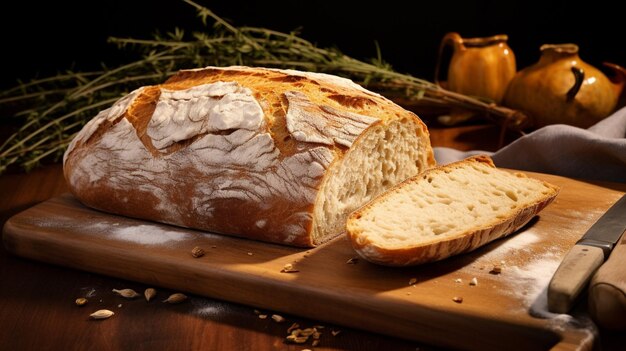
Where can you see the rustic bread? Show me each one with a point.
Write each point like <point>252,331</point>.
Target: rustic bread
<point>275,155</point>
<point>446,211</point>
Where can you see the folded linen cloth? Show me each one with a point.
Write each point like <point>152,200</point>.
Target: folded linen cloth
<point>597,153</point>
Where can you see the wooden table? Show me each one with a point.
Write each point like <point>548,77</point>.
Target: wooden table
<point>37,310</point>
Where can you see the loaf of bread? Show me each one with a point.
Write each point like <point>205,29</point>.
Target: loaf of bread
<point>446,211</point>
<point>276,155</point>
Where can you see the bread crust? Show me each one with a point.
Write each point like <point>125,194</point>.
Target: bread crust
<point>439,249</point>
<point>252,166</point>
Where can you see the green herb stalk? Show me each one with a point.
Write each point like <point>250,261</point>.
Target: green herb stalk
<point>52,110</point>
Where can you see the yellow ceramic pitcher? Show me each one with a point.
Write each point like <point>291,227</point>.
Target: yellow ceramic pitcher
<point>479,66</point>
<point>562,88</point>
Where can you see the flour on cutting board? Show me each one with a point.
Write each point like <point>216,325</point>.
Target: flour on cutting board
<point>510,245</point>
<point>144,234</point>
<point>531,282</point>
<point>528,281</point>
<point>147,234</point>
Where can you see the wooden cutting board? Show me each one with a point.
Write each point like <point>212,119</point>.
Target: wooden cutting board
<point>502,310</point>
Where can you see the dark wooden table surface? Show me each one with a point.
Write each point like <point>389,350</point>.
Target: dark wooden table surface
<point>37,310</point>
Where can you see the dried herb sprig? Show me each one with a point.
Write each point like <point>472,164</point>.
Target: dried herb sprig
<point>52,110</point>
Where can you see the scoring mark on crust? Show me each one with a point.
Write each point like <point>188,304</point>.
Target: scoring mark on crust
<point>312,123</point>
<point>352,101</point>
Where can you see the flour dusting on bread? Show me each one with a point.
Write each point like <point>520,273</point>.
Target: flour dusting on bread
<point>312,123</point>
<point>110,114</point>
<point>207,108</point>
<point>224,149</point>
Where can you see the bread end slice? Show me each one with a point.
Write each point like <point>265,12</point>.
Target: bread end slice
<point>446,211</point>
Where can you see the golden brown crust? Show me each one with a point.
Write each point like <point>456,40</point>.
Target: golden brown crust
<point>269,87</point>
<point>167,180</point>
<point>438,249</point>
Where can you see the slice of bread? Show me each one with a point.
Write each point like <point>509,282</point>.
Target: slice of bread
<point>446,211</point>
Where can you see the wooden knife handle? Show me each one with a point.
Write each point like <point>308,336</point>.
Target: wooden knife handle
<point>607,290</point>
<point>572,276</point>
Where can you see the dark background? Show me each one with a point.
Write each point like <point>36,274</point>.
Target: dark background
<point>41,38</point>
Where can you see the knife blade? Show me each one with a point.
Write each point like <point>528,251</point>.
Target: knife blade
<point>587,255</point>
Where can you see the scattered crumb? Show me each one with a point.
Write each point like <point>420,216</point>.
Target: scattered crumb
<point>289,268</point>
<point>458,280</point>
<point>176,298</point>
<point>214,246</point>
<point>474,282</point>
<point>408,293</point>
<point>250,254</point>
<point>412,281</point>
<point>119,306</point>
<point>496,270</point>
<point>278,318</point>
<point>315,343</point>
<point>293,327</point>
<point>197,252</point>
<point>295,337</point>
<point>262,316</point>
<point>307,332</point>
<point>296,340</point>
<point>335,332</point>
<point>353,260</point>
<point>457,299</point>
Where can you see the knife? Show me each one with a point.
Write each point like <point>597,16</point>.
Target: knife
<point>607,290</point>
<point>586,257</point>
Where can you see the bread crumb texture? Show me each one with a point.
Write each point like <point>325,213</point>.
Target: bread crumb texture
<point>445,211</point>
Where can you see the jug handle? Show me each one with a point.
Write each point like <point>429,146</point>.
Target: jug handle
<point>450,38</point>
<point>619,76</point>
<point>579,77</point>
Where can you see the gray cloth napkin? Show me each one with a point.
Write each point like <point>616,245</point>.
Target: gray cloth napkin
<point>597,153</point>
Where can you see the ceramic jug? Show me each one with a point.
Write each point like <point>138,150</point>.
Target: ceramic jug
<point>561,88</point>
<point>479,66</point>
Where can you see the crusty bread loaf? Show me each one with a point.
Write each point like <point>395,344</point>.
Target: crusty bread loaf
<point>276,155</point>
<point>446,211</point>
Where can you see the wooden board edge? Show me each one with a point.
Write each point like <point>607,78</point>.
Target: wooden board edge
<point>23,244</point>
